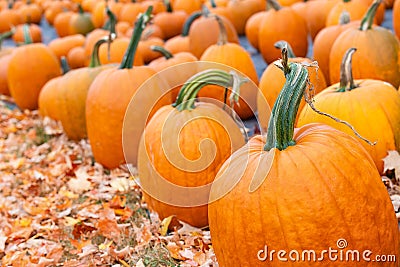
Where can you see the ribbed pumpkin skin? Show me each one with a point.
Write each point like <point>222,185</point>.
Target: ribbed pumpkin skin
<point>373,109</point>
<point>25,78</point>
<point>106,103</point>
<point>322,189</point>
<point>49,99</point>
<point>377,55</point>
<point>73,89</point>
<point>235,56</point>
<point>191,127</point>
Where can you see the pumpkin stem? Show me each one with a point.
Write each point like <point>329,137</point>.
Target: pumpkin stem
<point>168,6</point>
<point>346,72</point>
<point>186,26</point>
<point>112,20</point>
<point>80,9</point>
<point>188,93</point>
<point>140,24</point>
<point>64,65</point>
<point>368,19</point>
<point>213,4</point>
<point>27,34</point>
<point>167,54</point>
<point>281,124</point>
<point>344,17</point>
<point>205,11</point>
<point>223,36</point>
<point>6,35</point>
<point>94,58</point>
<point>283,44</point>
<point>274,4</point>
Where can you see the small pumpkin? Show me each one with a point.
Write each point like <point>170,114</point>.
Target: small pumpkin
<point>282,23</point>
<point>360,102</point>
<point>34,30</point>
<point>377,51</point>
<point>170,21</point>
<point>61,23</point>
<point>76,57</point>
<point>235,56</point>
<point>272,81</point>
<point>106,107</point>
<point>9,18</point>
<point>173,157</point>
<point>30,67</point>
<point>61,46</point>
<point>81,22</point>
<point>299,190</point>
<point>188,6</point>
<point>396,18</point>
<point>30,13</point>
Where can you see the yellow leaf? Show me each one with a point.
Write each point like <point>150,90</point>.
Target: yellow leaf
<point>69,221</point>
<point>165,224</point>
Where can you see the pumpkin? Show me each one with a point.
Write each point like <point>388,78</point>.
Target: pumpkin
<point>73,90</point>
<point>129,12</point>
<point>53,10</point>
<point>4,62</point>
<point>235,56</point>
<point>241,11</point>
<point>144,47</point>
<point>358,102</point>
<point>35,33</point>
<point>9,18</point>
<point>61,23</point>
<point>252,28</point>
<point>377,51</point>
<point>174,160</point>
<point>282,23</point>
<point>61,46</point>
<point>49,103</point>
<point>396,18</point>
<point>30,67</point>
<point>272,81</point>
<point>99,14</point>
<point>114,52</point>
<point>180,43</point>
<point>199,42</point>
<point>324,40</point>
<point>81,22</point>
<point>188,6</point>
<point>30,13</point>
<point>105,109</point>
<point>304,190</point>
<point>76,57</point>
<point>170,21</point>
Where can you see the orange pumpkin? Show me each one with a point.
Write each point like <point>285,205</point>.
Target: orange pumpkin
<point>76,57</point>
<point>272,81</point>
<point>252,28</point>
<point>61,46</point>
<point>378,51</point>
<point>188,6</point>
<point>81,23</point>
<point>114,52</point>
<point>396,18</point>
<point>299,190</point>
<point>30,67</point>
<point>171,157</point>
<point>9,18</point>
<point>34,30</point>
<point>282,23</point>
<point>49,103</point>
<point>105,109</point>
<point>61,23</point>
<point>30,13</point>
<point>4,62</point>
<point>170,21</point>
<point>240,11</point>
<point>129,12</point>
<point>358,102</point>
<point>237,57</point>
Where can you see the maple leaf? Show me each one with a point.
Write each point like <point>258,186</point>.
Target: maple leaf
<point>80,184</point>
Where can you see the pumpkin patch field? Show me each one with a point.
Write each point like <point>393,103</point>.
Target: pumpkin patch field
<point>207,133</point>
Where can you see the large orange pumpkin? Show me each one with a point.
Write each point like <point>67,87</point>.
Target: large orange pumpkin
<point>372,107</point>
<point>107,100</point>
<point>396,18</point>
<point>174,158</point>
<point>377,51</point>
<point>30,67</point>
<point>300,191</point>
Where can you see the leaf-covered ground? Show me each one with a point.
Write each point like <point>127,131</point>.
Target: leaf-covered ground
<point>60,208</point>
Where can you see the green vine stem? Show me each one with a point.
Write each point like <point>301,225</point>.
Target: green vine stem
<point>64,65</point>
<point>142,21</point>
<point>94,57</point>
<point>274,4</point>
<point>344,17</point>
<point>164,52</point>
<point>283,44</point>
<point>368,19</point>
<point>188,93</point>
<point>346,72</point>
<point>168,6</point>
<point>6,35</point>
<point>223,36</point>
<point>186,26</point>
<point>281,124</point>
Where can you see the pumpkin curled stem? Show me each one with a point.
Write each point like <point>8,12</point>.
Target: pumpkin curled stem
<point>368,19</point>
<point>188,22</point>
<point>346,84</point>
<point>140,24</point>
<point>283,44</point>
<point>112,20</point>
<point>94,58</point>
<point>164,52</point>
<point>281,124</point>
<point>223,36</point>
<point>274,4</point>
<point>188,93</point>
